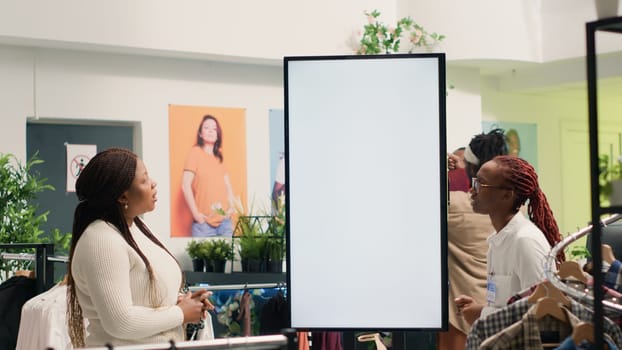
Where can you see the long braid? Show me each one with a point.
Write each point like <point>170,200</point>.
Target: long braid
<point>523,178</point>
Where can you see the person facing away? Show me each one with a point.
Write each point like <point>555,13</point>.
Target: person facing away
<point>206,185</point>
<point>518,247</point>
<point>120,277</point>
<point>466,233</point>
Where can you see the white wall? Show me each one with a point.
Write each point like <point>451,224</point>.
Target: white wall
<point>477,29</point>
<point>16,98</point>
<point>531,31</point>
<point>548,112</point>
<point>85,86</point>
<point>464,106</point>
<point>236,28</point>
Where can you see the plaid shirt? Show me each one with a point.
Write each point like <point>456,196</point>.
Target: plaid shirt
<point>525,334</point>
<point>494,323</point>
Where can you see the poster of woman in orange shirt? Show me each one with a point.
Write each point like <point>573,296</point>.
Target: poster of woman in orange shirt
<point>204,191</point>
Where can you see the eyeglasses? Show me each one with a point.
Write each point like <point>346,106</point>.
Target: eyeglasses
<point>476,185</point>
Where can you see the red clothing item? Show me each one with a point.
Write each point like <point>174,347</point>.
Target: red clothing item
<point>326,341</point>
<point>459,180</point>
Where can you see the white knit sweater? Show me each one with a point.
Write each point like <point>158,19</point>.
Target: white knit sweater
<point>112,285</point>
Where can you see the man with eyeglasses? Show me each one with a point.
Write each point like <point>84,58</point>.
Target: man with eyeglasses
<point>520,243</point>
<point>467,232</point>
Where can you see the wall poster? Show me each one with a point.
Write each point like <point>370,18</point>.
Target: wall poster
<point>207,169</point>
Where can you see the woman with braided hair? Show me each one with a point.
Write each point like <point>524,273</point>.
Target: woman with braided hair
<point>120,277</point>
<point>520,243</point>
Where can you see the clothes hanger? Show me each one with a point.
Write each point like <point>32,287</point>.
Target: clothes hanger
<point>549,306</point>
<point>571,269</point>
<point>547,289</point>
<point>583,331</point>
<point>375,337</point>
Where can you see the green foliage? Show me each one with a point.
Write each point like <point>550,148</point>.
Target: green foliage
<point>19,221</point>
<point>19,186</point>
<point>275,248</point>
<point>193,248</point>
<point>252,246</point>
<point>609,170</point>
<point>61,241</point>
<point>577,252</point>
<point>218,249</point>
<point>379,38</point>
<point>251,237</point>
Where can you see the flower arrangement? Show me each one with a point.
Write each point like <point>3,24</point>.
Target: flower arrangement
<point>379,38</point>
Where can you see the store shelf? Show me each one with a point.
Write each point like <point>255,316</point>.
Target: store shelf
<point>193,277</point>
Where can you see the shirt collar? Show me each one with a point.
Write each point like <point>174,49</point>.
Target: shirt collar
<point>497,238</point>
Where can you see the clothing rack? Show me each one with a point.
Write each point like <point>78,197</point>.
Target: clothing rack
<point>239,286</point>
<point>263,342</point>
<point>549,265</point>
<point>43,258</point>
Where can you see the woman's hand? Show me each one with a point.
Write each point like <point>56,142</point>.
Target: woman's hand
<point>191,307</point>
<point>468,308</point>
<point>203,297</point>
<point>198,218</point>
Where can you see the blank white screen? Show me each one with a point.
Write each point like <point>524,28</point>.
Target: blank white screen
<point>364,142</point>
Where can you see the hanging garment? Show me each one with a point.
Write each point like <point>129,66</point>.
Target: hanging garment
<point>303,340</point>
<point>526,334</point>
<point>207,332</point>
<point>14,293</point>
<point>494,323</point>
<point>613,277</point>
<point>245,313</point>
<point>569,344</point>
<point>274,315</point>
<point>44,321</point>
<point>326,341</point>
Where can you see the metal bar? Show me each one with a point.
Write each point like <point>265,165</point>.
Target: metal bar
<point>264,342</point>
<point>48,267</point>
<point>58,258</point>
<point>550,267</point>
<point>238,286</point>
<point>40,270</point>
<point>43,271</point>
<point>17,256</point>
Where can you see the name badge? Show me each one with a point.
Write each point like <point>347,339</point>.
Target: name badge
<point>491,292</point>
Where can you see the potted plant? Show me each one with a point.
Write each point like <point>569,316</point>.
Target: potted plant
<point>378,38</point>
<point>19,213</point>
<point>219,252</point>
<point>275,253</point>
<point>193,248</point>
<point>275,246</point>
<point>610,179</point>
<point>251,243</point>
